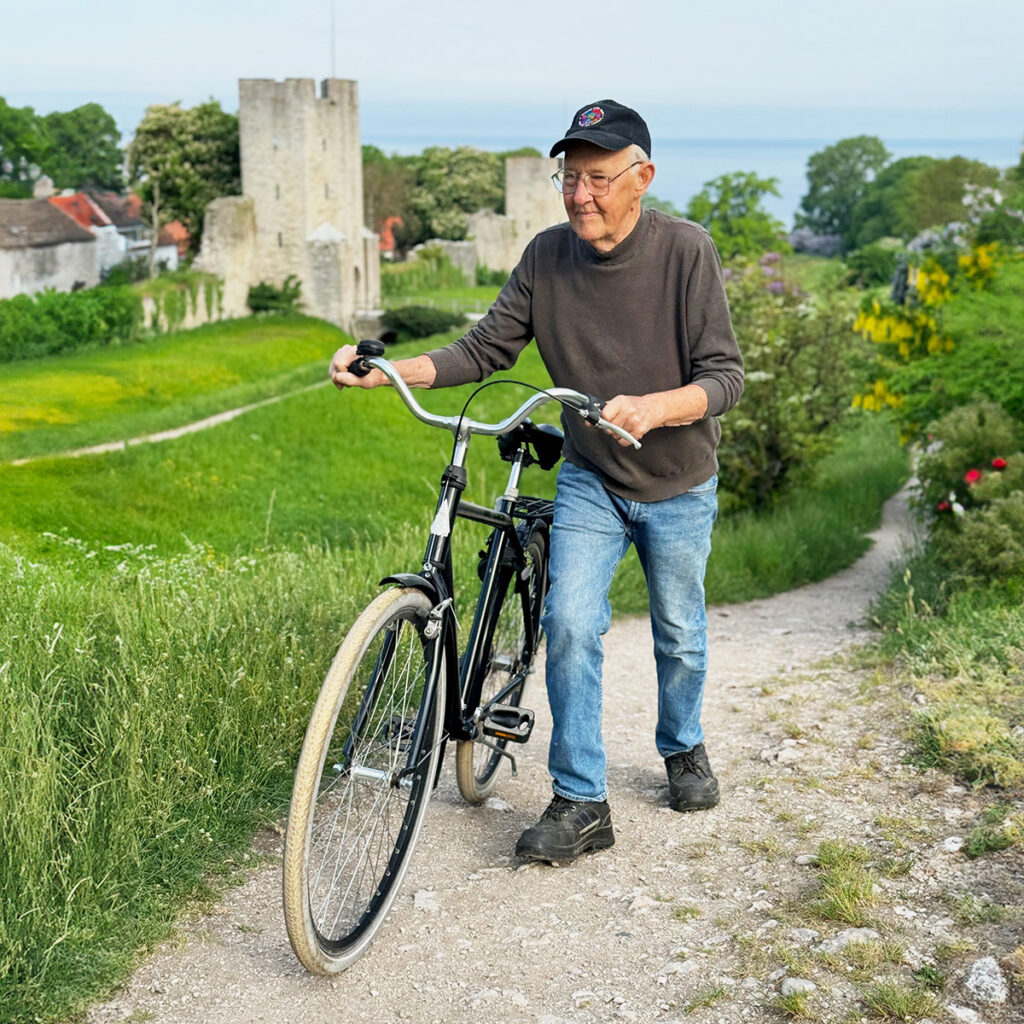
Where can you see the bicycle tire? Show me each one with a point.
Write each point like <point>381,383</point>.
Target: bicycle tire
<point>508,653</point>
<point>361,790</point>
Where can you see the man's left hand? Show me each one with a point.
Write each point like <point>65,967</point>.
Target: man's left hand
<point>640,414</point>
<point>637,414</point>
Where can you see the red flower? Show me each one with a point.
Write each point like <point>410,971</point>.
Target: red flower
<point>943,506</point>
<point>972,476</point>
<point>999,464</point>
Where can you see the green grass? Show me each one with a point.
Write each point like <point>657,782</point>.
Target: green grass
<point>170,611</point>
<point>56,404</point>
<point>892,1000</point>
<point>460,299</point>
<point>816,530</point>
<point>152,711</point>
<point>846,887</point>
<point>964,650</point>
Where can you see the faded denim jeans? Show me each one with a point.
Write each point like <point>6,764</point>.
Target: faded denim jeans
<point>592,531</point>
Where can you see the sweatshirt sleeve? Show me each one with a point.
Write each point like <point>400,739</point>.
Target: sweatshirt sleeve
<point>715,360</point>
<point>496,341</point>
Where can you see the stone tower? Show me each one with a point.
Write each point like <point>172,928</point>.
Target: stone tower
<point>301,209</point>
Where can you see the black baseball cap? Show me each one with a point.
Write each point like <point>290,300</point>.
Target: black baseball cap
<point>607,124</point>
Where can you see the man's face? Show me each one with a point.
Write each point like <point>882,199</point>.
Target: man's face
<point>606,220</point>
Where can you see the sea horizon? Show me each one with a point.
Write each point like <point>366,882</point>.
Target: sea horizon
<point>684,165</point>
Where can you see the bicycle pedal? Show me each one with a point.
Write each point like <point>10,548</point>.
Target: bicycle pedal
<point>508,723</point>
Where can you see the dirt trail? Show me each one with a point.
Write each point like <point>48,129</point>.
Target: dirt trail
<point>686,917</point>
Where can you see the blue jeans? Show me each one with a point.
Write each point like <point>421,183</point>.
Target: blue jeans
<point>592,531</point>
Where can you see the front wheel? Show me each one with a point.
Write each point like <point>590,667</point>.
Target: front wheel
<point>363,782</point>
<point>508,658</point>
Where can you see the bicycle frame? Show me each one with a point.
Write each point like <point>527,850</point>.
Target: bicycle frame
<point>462,675</point>
<point>435,578</point>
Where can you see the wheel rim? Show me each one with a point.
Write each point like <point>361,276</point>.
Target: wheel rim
<point>368,791</point>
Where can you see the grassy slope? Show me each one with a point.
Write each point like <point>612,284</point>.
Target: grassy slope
<point>55,404</point>
<point>236,629</point>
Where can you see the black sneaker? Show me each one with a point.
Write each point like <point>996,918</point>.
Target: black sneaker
<point>567,829</point>
<point>692,785</point>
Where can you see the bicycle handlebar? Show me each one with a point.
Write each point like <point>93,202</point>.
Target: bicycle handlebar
<point>585,405</point>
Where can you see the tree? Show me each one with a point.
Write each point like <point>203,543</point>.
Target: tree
<point>838,176</point>
<point>387,185</point>
<point>451,183</point>
<point>730,208</point>
<point>650,202</point>
<point>181,159</point>
<point>915,193</point>
<point>82,147</point>
<point>883,209</point>
<point>21,144</point>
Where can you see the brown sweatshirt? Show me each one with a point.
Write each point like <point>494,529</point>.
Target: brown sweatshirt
<point>651,315</point>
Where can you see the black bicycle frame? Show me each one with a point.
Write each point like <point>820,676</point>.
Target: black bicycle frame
<point>463,676</point>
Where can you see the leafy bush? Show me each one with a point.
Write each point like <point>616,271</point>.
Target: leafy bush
<point>965,442</point>
<point>51,322</point>
<point>874,264</point>
<point>127,272</point>
<point>410,322</point>
<point>799,374</point>
<point>430,271</point>
<point>730,207</point>
<point>989,542</point>
<point>486,278</point>
<point>268,298</point>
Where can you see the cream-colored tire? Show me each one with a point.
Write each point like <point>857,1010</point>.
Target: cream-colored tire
<point>363,782</point>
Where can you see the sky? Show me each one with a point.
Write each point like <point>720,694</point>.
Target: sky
<point>734,66</point>
<point>504,75</point>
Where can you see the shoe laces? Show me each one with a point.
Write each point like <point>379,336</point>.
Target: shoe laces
<point>559,807</point>
<point>691,762</point>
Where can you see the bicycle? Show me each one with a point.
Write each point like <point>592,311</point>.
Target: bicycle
<point>398,690</point>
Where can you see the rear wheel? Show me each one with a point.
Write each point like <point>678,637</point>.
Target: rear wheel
<point>508,659</point>
<point>362,783</point>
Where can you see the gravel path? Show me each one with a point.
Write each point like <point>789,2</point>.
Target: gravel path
<point>697,917</point>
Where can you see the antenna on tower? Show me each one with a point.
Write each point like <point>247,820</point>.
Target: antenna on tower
<point>332,39</point>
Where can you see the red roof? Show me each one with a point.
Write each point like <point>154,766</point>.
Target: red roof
<point>81,209</point>
<point>175,233</point>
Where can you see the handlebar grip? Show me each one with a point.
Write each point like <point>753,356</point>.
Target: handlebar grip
<point>592,413</point>
<point>367,348</point>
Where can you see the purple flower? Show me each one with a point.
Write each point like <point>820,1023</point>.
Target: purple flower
<point>728,274</point>
<point>776,287</point>
<point>767,270</point>
<point>769,257</point>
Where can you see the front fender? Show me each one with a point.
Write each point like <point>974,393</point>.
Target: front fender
<point>416,582</point>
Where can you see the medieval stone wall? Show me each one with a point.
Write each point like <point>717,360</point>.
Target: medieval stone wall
<point>532,203</point>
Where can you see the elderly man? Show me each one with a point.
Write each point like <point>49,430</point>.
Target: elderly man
<point>627,304</point>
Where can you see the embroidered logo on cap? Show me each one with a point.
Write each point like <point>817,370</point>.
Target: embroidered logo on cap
<point>595,115</point>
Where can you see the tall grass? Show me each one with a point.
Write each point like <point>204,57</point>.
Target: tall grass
<point>818,528</point>
<point>170,611</point>
<point>152,711</point>
<point>963,649</point>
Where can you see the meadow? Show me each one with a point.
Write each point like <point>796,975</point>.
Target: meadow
<point>170,610</point>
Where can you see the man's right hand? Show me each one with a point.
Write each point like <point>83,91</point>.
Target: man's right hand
<point>343,359</point>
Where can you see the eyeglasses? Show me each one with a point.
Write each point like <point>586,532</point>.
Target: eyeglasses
<point>595,184</point>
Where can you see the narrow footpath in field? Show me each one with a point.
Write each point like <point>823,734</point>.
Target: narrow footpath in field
<point>703,918</point>
<point>170,434</point>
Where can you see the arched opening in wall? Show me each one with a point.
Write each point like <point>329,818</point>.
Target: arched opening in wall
<point>355,285</point>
